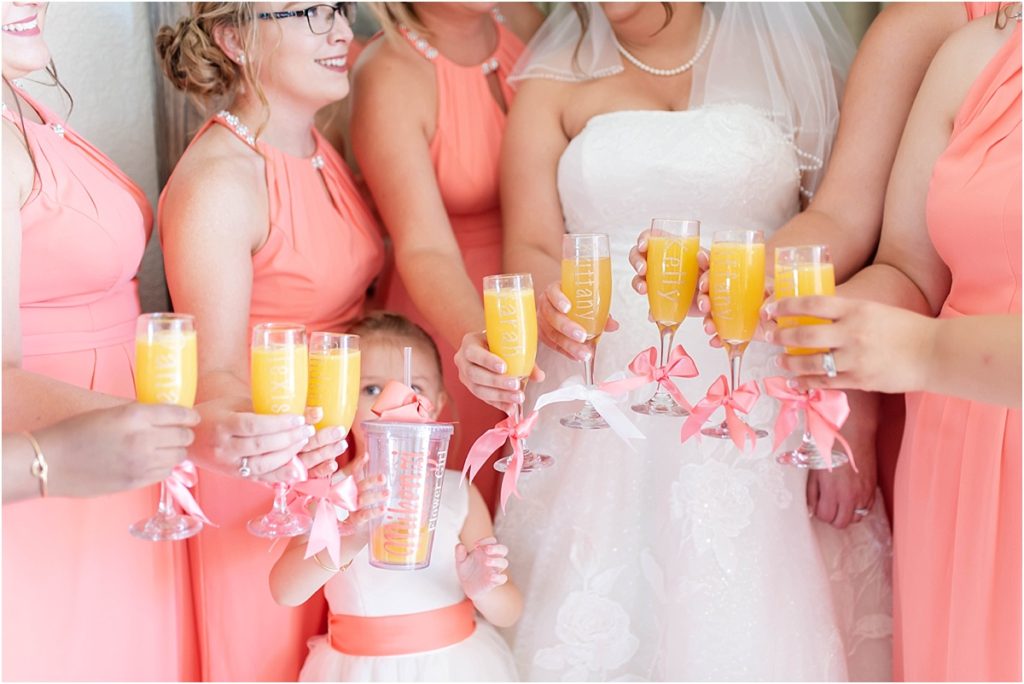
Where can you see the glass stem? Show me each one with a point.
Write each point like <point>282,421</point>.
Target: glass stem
<point>516,414</point>
<point>281,499</point>
<point>808,440</point>
<point>165,509</point>
<point>588,364</point>
<point>667,334</point>
<point>735,352</point>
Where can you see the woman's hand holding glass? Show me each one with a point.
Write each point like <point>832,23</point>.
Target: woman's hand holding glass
<point>230,435</point>
<point>483,374</point>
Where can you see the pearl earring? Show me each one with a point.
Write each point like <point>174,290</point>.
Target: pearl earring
<point>241,58</point>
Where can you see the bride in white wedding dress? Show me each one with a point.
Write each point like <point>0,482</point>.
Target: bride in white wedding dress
<point>677,561</point>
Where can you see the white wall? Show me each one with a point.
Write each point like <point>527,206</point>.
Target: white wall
<point>104,56</point>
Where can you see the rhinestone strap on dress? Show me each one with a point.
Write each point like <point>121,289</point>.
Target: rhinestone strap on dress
<point>430,52</point>
<point>243,132</point>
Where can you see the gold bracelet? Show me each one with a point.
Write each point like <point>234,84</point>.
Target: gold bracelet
<point>343,568</point>
<point>39,468</point>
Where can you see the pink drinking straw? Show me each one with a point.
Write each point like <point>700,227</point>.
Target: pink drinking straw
<point>407,352</point>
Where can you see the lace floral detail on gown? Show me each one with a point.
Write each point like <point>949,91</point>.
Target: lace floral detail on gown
<point>683,562</point>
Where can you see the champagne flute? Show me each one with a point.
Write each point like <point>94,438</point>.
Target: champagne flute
<point>165,373</point>
<point>672,272</point>
<point>587,282</point>
<point>802,272</point>
<point>736,288</point>
<point>334,361</point>
<point>280,375</point>
<point>511,314</point>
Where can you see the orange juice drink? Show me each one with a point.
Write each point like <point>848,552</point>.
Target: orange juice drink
<point>671,277</point>
<point>587,283</point>
<point>334,385</point>
<point>396,543</point>
<point>511,317</point>
<point>803,280</point>
<point>736,288</point>
<point>280,377</point>
<point>165,367</point>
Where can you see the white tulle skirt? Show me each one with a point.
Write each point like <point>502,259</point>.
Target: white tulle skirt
<point>482,657</point>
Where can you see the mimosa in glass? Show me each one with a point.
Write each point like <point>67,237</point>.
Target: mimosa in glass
<point>802,272</point>
<point>334,361</point>
<point>165,373</point>
<point>672,273</point>
<point>736,289</point>
<point>587,283</point>
<point>279,383</point>
<point>511,315</point>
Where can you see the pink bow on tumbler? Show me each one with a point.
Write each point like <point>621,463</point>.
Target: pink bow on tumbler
<point>492,439</point>
<point>645,370</point>
<point>183,477</point>
<point>331,500</point>
<point>825,410</point>
<point>742,400</point>
<point>399,403</point>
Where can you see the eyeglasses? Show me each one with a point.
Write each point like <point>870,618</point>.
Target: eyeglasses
<point>319,17</point>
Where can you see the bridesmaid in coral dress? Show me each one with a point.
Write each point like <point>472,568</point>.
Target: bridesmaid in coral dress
<point>951,246</point>
<point>83,600</point>
<point>429,108</point>
<point>261,222</point>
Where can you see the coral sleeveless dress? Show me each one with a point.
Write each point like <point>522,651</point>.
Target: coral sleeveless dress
<point>83,599</point>
<point>466,150</point>
<point>958,481</point>
<point>322,253</point>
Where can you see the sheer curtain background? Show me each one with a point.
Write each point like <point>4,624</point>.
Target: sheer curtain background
<point>105,57</point>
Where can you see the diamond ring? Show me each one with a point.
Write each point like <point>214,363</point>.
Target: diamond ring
<point>828,363</point>
<point>243,467</point>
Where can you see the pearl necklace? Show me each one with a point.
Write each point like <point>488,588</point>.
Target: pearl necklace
<point>679,69</point>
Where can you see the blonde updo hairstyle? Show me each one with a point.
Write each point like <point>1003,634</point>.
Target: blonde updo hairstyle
<point>195,63</point>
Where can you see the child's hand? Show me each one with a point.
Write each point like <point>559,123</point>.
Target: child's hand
<point>373,493</point>
<point>483,568</point>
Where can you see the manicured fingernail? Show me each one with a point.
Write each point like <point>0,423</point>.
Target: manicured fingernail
<point>769,336</point>
<point>585,356</point>
<point>643,244</point>
<point>500,368</point>
<point>298,420</point>
<point>512,384</point>
<point>702,305</point>
<point>564,307</point>
<point>343,446</point>
<point>309,431</point>
<point>520,397</point>
<point>579,335</point>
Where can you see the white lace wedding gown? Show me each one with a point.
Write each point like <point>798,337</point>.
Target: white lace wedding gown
<point>683,561</point>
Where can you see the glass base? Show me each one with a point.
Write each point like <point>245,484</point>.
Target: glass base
<point>656,406</point>
<point>532,462</point>
<point>587,418</point>
<point>274,525</point>
<point>807,456</point>
<point>166,527</point>
<point>722,432</point>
